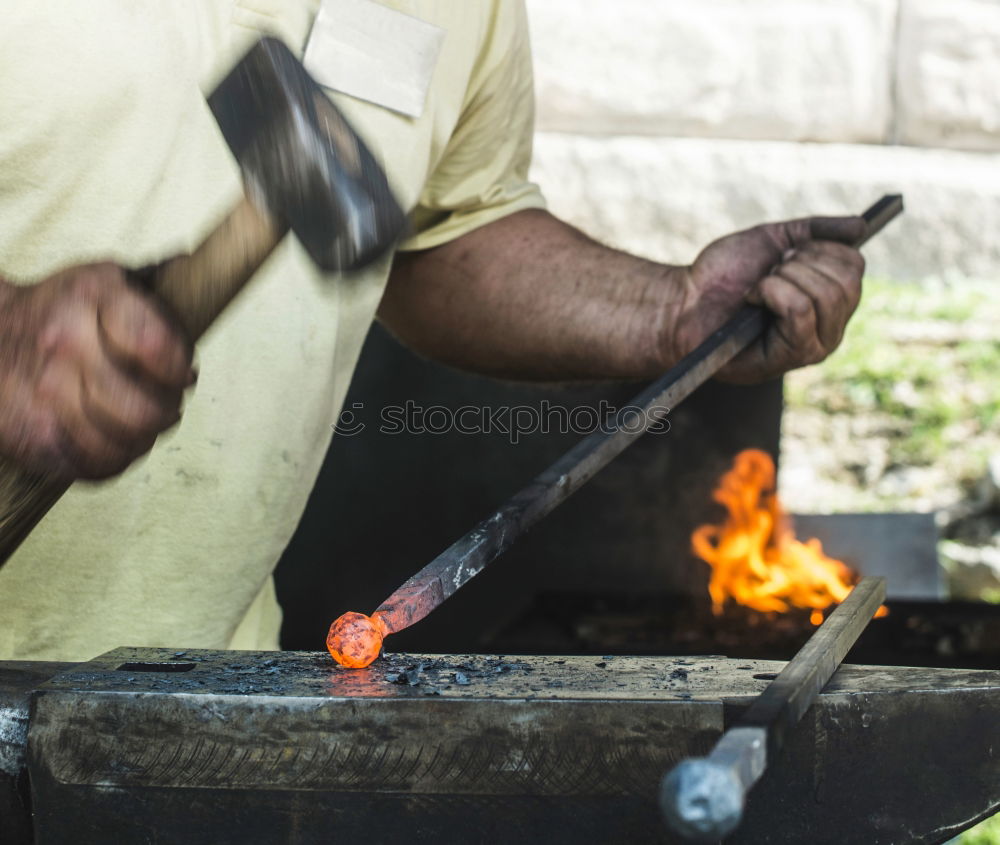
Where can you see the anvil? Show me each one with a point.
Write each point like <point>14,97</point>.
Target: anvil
<point>216,747</point>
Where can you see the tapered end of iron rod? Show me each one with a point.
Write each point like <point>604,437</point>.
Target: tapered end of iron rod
<point>880,215</point>
<point>702,798</point>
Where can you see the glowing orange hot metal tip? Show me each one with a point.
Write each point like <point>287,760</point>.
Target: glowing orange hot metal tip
<point>355,640</point>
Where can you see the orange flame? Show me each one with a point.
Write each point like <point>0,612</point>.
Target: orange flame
<point>756,560</point>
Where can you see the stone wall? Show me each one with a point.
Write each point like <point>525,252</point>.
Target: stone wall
<point>664,123</point>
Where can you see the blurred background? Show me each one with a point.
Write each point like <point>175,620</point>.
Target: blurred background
<point>663,125</point>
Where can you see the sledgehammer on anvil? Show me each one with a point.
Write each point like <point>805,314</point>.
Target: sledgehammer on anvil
<point>305,170</point>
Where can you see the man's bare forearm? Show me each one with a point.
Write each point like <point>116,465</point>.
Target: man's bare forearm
<point>530,297</point>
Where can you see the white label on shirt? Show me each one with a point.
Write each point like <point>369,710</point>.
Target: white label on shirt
<point>374,53</point>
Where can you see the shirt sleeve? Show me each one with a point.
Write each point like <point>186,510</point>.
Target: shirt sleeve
<point>483,173</point>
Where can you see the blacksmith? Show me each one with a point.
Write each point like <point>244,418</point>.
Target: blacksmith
<point>110,159</point>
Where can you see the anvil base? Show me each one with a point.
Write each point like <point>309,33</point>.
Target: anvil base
<point>146,745</point>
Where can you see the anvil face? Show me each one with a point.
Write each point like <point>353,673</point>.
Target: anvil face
<point>489,726</point>
<point>209,747</point>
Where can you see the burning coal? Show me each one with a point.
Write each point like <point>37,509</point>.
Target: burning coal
<point>756,560</point>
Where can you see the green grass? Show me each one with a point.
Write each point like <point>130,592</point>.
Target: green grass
<point>936,395</point>
<point>987,833</point>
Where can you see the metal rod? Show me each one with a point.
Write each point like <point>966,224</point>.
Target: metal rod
<point>703,798</point>
<point>470,555</point>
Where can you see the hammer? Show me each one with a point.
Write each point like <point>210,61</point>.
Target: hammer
<point>305,170</point>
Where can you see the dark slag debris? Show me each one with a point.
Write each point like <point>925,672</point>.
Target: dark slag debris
<point>440,674</point>
<point>408,677</point>
<point>679,675</point>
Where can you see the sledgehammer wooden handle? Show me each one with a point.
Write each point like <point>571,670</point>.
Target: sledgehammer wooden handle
<point>24,500</point>
<point>197,288</point>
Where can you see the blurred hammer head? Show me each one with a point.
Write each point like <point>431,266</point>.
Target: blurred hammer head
<point>302,162</point>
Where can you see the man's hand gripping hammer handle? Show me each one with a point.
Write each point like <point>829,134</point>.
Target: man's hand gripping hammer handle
<point>304,169</point>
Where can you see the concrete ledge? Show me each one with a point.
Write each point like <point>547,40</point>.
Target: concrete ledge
<point>789,69</point>
<point>949,74</point>
<point>666,198</point>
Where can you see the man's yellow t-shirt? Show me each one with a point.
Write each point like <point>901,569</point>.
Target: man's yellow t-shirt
<point>108,151</point>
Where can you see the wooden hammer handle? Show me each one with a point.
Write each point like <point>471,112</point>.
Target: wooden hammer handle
<point>196,288</point>
<point>199,286</point>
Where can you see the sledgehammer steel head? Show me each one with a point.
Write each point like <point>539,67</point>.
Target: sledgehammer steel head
<point>303,162</point>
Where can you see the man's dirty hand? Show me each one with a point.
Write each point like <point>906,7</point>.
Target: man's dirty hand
<point>91,371</point>
<point>803,271</point>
